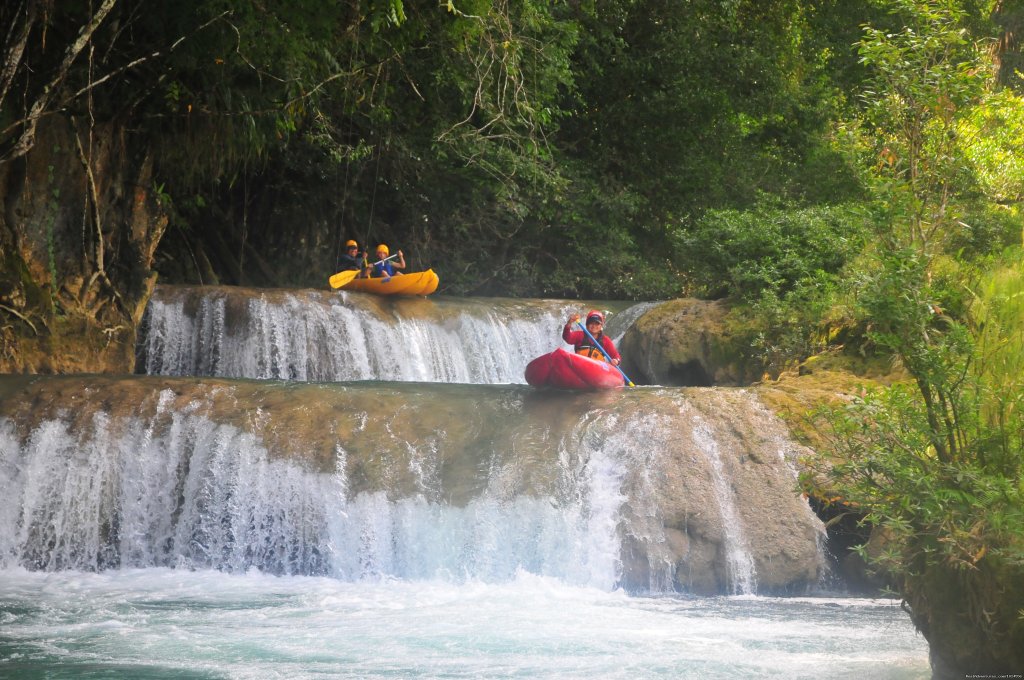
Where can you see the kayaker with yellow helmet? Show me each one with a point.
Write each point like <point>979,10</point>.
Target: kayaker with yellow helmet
<point>351,258</point>
<point>387,269</point>
<point>584,344</point>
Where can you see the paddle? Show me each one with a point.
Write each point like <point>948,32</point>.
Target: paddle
<point>598,345</point>
<point>342,278</point>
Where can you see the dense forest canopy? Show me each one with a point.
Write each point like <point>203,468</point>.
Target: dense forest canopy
<point>521,148</point>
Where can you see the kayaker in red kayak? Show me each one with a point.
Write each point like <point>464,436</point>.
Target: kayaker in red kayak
<point>583,345</point>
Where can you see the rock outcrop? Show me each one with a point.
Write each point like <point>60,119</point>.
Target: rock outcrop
<point>684,342</point>
<point>78,231</point>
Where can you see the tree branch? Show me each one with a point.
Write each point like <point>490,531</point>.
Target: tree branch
<point>20,316</point>
<point>28,134</point>
<point>16,48</point>
<point>33,117</point>
<point>101,272</point>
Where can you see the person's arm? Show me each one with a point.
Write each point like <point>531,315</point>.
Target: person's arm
<point>568,334</point>
<point>572,337</point>
<point>398,262</point>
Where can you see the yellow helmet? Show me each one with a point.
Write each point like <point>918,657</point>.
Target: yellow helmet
<point>383,249</point>
<point>351,244</point>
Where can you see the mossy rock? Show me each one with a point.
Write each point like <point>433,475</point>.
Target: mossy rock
<point>971,617</point>
<point>827,378</point>
<point>685,342</point>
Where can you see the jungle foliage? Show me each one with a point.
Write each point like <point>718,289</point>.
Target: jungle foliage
<point>521,148</point>
<point>936,463</point>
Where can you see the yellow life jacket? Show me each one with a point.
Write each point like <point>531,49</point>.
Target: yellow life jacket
<point>591,351</point>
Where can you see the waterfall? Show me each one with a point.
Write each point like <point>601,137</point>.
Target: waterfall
<point>332,484</point>
<point>197,494</point>
<point>322,336</point>
<point>357,481</point>
<point>741,571</point>
<point>175,488</point>
<point>424,476</point>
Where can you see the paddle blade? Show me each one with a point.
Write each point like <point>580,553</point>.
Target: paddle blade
<point>342,278</point>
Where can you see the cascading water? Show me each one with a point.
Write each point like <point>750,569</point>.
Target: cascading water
<point>741,571</point>
<point>169,527</point>
<point>407,481</point>
<point>198,495</point>
<point>171,487</point>
<point>321,336</point>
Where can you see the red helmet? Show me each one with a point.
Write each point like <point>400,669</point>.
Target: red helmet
<point>594,315</point>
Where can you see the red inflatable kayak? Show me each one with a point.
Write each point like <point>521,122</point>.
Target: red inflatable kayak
<point>567,371</point>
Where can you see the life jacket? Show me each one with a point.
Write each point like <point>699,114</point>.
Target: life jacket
<point>381,270</point>
<point>588,349</point>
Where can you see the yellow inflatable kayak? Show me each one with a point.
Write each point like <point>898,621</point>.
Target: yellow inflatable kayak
<point>414,283</point>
